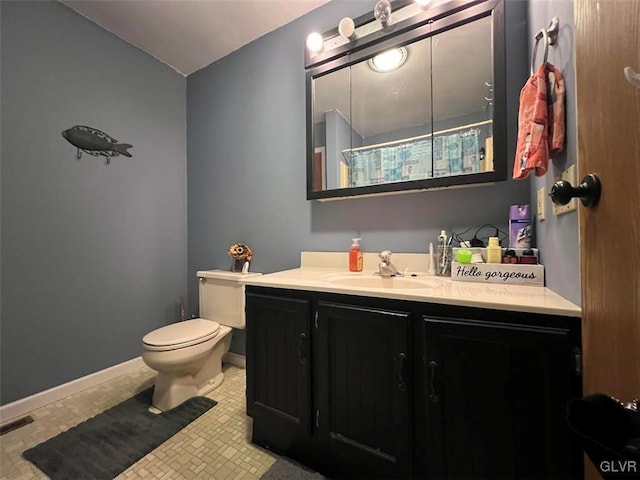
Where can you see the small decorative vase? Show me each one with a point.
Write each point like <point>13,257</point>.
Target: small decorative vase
<point>237,264</point>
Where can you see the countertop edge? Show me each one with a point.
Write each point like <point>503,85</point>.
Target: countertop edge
<point>287,280</point>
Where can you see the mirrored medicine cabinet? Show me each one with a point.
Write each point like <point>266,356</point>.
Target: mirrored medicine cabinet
<point>436,120</point>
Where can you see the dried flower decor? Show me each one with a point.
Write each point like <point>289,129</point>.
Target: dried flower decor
<point>241,255</point>
<point>240,251</point>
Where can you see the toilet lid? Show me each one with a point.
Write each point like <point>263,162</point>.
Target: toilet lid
<point>181,334</point>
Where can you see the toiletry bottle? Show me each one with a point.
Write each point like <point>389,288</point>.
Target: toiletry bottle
<point>528,257</point>
<point>442,238</point>
<point>355,256</point>
<point>494,251</point>
<point>432,261</point>
<point>520,226</point>
<point>443,255</point>
<point>510,257</point>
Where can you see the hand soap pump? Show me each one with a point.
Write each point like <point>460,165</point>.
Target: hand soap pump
<point>355,256</point>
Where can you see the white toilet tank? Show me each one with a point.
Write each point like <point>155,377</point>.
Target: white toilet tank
<point>221,296</point>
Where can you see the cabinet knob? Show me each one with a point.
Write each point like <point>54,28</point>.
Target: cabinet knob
<point>588,191</point>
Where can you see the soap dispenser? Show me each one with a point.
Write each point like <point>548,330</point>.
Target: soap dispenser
<point>355,256</point>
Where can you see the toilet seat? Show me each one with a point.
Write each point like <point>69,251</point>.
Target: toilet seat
<point>180,335</point>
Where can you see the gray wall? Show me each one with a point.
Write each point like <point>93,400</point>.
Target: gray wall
<point>558,236</point>
<point>246,163</point>
<point>93,256</point>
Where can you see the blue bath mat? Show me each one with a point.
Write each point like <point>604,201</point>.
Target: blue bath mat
<point>106,445</point>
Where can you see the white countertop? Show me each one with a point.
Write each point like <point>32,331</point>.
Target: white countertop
<point>424,288</point>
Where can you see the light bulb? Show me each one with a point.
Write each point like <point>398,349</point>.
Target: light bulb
<point>388,61</point>
<point>382,12</point>
<point>314,42</point>
<point>346,27</point>
<point>423,3</point>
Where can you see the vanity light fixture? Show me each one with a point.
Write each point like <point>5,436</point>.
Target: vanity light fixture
<point>423,3</point>
<point>389,60</point>
<point>315,42</point>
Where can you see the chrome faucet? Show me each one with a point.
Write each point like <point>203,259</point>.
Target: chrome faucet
<point>385,267</point>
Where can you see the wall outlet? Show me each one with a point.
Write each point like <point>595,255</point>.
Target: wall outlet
<point>540,208</point>
<point>570,176</point>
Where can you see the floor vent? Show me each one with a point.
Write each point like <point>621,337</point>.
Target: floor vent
<point>21,422</point>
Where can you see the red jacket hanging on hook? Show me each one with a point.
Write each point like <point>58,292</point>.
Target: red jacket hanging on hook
<point>540,122</point>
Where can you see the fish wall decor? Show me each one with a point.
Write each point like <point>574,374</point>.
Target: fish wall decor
<point>94,142</point>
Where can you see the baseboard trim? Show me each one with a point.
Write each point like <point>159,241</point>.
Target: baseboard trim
<point>236,359</point>
<point>11,411</point>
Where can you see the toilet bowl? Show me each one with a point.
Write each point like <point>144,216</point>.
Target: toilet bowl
<point>188,355</point>
<point>188,359</point>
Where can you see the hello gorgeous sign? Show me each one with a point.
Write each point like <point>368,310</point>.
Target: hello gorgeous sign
<point>498,273</point>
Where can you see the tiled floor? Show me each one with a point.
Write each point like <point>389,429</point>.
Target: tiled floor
<point>216,446</point>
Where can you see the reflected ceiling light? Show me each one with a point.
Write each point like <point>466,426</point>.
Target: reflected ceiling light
<point>423,3</point>
<point>382,12</point>
<point>314,42</point>
<point>388,61</point>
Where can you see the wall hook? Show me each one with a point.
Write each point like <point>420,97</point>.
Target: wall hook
<point>632,77</point>
<point>549,36</point>
<point>552,31</point>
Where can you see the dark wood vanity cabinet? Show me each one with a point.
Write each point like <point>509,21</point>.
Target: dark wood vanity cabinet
<point>493,399</point>
<point>362,387</point>
<point>279,367</point>
<point>330,387</point>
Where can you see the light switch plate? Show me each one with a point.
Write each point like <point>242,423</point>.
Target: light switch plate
<point>540,208</point>
<point>570,176</point>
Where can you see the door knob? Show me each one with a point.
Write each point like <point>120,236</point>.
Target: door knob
<point>588,191</point>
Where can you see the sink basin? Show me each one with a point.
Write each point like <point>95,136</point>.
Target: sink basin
<point>386,283</point>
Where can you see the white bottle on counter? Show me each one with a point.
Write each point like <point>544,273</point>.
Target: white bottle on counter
<point>494,251</point>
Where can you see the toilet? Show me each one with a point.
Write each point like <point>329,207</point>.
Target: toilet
<point>188,355</point>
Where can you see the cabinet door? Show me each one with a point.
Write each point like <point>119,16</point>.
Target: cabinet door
<point>495,398</point>
<point>278,366</point>
<point>362,396</point>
